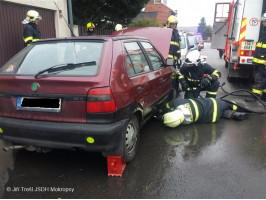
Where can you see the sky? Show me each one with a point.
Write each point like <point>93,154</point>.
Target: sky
<point>190,12</point>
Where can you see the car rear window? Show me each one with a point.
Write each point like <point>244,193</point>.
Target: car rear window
<point>83,57</point>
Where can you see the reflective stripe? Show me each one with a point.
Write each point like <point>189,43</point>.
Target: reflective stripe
<point>216,73</point>
<point>34,40</point>
<point>28,39</point>
<point>214,115</point>
<point>181,76</point>
<point>193,88</point>
<point>193,80</point>
<point>213,93</point>
<point>170,56</point>
<point>196,110</point>
<point>255,91</point>
<point>234,106</point>
<point>261,45</point>
<point>174,43</point>
<point>259,61</point>
<point>264,90</point>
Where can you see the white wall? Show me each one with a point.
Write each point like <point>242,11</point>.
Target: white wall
<point>61,27</point>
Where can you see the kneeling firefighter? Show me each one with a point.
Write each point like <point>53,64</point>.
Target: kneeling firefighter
<point>187,111</point>
<point>196,75</point>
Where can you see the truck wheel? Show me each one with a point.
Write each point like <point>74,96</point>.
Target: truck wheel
<point>229,78</point>
<point>131,139</point>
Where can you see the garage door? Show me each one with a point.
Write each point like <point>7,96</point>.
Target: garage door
<point>11,31</point>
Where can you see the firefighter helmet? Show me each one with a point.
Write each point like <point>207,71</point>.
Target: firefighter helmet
<point>193,58</point>
<point>118,27</point>
<point>263,17</point>
<point>171,20</point>
<point>90,25</point>
<point>174,118</point>
<point>32,15</point>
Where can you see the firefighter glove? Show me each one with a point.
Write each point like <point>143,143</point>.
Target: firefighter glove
<point>185,86</point>
<point>205,82</point>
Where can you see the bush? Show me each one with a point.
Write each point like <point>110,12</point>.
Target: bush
<point>150,22</point>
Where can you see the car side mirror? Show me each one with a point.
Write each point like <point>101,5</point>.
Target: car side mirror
<point>170,61</point>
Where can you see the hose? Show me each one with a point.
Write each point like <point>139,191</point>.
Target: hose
<point>241,90</point>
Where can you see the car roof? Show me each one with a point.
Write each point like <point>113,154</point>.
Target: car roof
<point>97,37</point>
<point>159,36</point>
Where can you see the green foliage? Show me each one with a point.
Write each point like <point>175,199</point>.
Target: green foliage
<point>106,13</point>
<point>151,22</point>
<point>206,31</point>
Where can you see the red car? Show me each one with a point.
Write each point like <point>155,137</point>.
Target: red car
<point>91,93</point>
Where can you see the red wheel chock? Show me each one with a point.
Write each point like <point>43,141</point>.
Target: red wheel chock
<point>115,165</point>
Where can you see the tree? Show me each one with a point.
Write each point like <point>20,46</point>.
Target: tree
<point>203,29</point>
<point>106,13</point>
<point>151,22</point>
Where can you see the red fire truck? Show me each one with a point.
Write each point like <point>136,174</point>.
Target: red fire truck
<point>236,30</point>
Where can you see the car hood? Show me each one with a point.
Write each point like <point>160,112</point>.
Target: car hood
<point>160,37</point>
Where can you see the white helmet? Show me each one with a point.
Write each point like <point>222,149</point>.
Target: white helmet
<point>193,58</point>
<point>263,17</point>
<point>31,16</point>
<point>118,27</point>
<point>173,119</point>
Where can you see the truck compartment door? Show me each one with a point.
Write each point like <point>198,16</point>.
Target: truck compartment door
<point>220,25</point>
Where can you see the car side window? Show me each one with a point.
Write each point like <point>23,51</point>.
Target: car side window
<point>154,56</point>
<point>135,59</point>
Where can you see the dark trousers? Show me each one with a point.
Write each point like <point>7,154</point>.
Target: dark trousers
<point>259,85</point>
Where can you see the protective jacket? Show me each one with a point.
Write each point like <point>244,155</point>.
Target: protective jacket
<point>259,86</point>
<point>91,33</point>
<point>174,50</point>
<point>203,109</point>
<point>31,34</point>
<point>194,75</point>
<point>260,51</point>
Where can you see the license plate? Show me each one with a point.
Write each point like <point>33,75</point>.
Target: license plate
<point>248,45</point>
<point>39,104</point>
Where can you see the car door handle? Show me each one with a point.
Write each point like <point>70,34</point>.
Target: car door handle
<point>139,89</point>
<point>161,79</point>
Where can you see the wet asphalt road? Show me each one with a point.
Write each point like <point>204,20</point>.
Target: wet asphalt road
<point>222,160</point>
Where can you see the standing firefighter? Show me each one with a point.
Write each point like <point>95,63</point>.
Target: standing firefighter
<point>31,32</point>
<point>174,50</point>
<point>259,87</point>
<point>187,111</point>
<point>196,75</point>
<point>90,29</point>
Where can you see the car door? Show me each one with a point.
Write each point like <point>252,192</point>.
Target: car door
<point>141,77</point>
<point>163,81</point>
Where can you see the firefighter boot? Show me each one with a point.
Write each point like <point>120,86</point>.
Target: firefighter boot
<point>230,114</point>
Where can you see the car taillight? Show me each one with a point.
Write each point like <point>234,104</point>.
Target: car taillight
<point>100,100</point>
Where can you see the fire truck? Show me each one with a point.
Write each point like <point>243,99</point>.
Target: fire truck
<point>236,30</point>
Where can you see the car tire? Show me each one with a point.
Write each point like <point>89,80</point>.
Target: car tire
<point>130,138</point>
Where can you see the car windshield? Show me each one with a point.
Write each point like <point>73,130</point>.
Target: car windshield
<point>183,42</point>
<point>39,57</point>
<point>192,40</point>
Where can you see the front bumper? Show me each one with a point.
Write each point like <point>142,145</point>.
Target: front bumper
<point>107,137</point>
